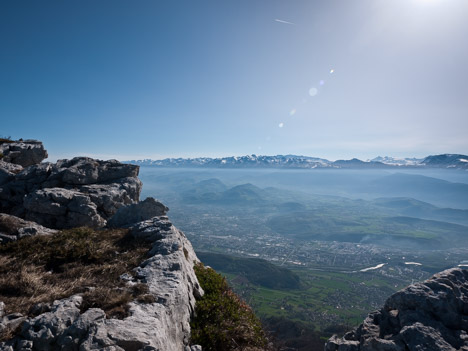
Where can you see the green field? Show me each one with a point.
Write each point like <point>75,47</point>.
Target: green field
<point>317,298</point>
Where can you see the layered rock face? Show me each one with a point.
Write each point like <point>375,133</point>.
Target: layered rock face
<point>70,193</point>
<point>24,153</point>
<point>163,325</point>
<point>432,315</point>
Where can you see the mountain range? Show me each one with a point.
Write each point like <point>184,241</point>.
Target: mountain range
<point>451,161</point>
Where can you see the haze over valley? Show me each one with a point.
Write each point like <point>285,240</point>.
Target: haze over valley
<point>367,231</point>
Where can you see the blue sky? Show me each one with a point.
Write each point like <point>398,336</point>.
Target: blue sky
<point>153,79</point>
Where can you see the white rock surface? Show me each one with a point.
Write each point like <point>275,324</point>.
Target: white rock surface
<point>77,192</point>
<point>163,325</point>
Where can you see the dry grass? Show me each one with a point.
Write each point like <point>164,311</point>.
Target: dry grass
<point>45,268</point>
<point>8,224</point>
<point>6,141</point>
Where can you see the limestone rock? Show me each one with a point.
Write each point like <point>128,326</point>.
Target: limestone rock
<point>13,228</point>
<point>24,153</point>
<point>85,170</point>
<point>135,213</point>
<point>62,208</point>
<point>432,315</point>
<point>77,192</point>
<point>109,197</point>
<point>161,325</point>
<point>8,171</point>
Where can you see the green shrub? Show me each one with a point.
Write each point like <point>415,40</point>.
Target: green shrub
<point>222,320</point>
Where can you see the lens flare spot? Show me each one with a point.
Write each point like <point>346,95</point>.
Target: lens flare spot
<point>331,71</point>
<point>292,112</point>
<point>322,82</point>
<point>313,91</point>
<point>281,125</point>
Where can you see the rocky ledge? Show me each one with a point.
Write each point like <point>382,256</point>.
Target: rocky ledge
<point>70,193</point>
<point>432,315</point>
<point>88,192</point>
<point>24,153</point>
<point>162,325</point>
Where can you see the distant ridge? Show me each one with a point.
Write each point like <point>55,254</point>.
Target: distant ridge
<point>451,161</point>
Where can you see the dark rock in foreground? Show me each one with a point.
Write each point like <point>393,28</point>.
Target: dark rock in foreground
<point>13,228</point>
<point>24,153</point>
<point>432,315</point>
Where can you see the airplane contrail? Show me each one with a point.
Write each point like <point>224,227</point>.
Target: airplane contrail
<point>285,22</point>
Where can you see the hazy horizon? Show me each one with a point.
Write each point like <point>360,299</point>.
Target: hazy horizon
<point>158,79</point>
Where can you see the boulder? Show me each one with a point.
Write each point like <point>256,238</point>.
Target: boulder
<point>13,228</point>
<point>134,213</point>
<point>24,153</point>
<point>85,170</point>
<point>62,208</point>
<point>432,315</point>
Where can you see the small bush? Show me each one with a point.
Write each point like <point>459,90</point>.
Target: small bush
<point>222,320</point>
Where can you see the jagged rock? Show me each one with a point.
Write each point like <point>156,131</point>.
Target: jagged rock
<point>135,213</point>
<point>77,192</point>
<point>62,208</point>
<point>8,171</point>
<point>13,228</point>
<point>85,170</point>
<point>10,322</point>
<point>110,197</point>
<point>432,315</point>
<point>24,153</point>
<point>162,325</point>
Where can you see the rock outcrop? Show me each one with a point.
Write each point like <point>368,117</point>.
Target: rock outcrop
<point>77,192</point>
<point>160,325</point>
<point>88,192</point>
<point>24,153</point>
<point>141,211</point>
<point>432,315</point>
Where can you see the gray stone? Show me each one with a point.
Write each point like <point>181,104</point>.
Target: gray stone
<point>110,197</point>
<point>8,171</point>
<point>24,153</point>
<point>162,325</point>
<point>13,228</point>
<point>85,170</point>
<point>424,316</point>
<point>62,208</point>
<point>135,213</point>
<point>77,192</point>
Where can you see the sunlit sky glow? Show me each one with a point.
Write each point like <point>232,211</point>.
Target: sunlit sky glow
<point>154,79</point>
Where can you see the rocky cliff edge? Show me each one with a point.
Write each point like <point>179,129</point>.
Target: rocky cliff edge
<point>427,316</point>
<point>43,197</point>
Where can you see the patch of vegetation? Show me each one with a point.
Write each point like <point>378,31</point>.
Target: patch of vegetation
<point>256,270</point>
<point>5,140</point>
<point>222,320</point>
<point>41,269</point>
